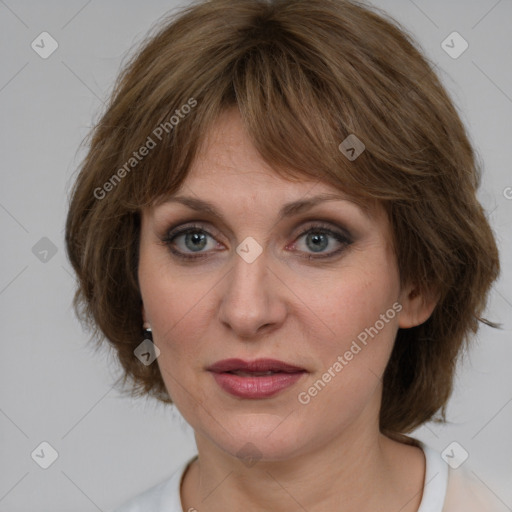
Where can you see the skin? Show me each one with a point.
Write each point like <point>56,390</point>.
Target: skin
<point>328,454</point>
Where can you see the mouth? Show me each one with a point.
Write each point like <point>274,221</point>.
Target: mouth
<point>262,378</point>
<point>258,367</point>
<point>242,373</point>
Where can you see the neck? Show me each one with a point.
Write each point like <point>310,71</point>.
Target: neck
<point>360,470</point>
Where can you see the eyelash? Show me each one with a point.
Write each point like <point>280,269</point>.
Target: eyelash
<point>343,239</point>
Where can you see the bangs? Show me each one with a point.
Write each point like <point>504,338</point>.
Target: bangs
<point>295,113</point>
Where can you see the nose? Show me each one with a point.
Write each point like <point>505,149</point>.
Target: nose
<point>253,301</point>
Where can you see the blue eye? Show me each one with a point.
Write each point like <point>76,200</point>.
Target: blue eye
<point>189,243</point>
<point>191,238</point>
<point>318,238</point>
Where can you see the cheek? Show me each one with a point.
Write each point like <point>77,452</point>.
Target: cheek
<point>350,362</point>
<point>358,322</point>
<point>176,315</point>
<point>175,311</point>
<point>164,303</point>
<point>179,310</point>
<point>348,302</point>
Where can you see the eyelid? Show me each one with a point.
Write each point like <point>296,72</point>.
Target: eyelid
<point>331,228</point>
<point>328,225</point>
<point>181,227</point>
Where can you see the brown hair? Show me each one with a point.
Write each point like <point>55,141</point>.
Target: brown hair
<point>304,74</point>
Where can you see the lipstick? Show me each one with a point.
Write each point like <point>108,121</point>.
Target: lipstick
<point>261,378</point>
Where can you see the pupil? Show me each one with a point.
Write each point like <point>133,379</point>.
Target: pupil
<point>319,241</point>
<point>198,241</point>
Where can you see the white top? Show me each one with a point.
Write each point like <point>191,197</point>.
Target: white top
<point>444,490</point>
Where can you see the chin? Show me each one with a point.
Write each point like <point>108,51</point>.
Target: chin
<point>264,437</point>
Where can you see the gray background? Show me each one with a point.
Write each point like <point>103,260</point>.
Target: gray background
<point>54,388</point>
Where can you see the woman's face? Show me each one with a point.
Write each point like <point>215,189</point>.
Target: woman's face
<point>316,288</point>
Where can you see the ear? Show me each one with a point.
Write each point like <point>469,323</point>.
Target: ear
<point>416,307</point>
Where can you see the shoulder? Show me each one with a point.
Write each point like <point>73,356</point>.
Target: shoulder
<point>150,500</point>
<point>467,493</point>
<point>455,490</point>
<point>162,497</point>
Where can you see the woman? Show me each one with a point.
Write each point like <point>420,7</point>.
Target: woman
<point>276,227</point>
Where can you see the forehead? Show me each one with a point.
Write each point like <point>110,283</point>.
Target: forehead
<point>228,162</point>
<point>228,167</point>
<point>227,152</point>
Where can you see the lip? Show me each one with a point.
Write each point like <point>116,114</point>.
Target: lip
<point>258,365</point>
<point>255,387</point>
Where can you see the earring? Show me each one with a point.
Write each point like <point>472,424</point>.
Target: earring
<point>148,334</point>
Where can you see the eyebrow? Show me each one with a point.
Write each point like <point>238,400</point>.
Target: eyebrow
<point>288,210</point>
